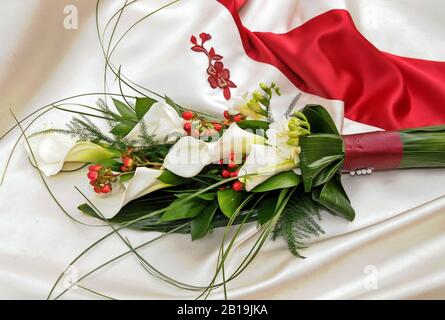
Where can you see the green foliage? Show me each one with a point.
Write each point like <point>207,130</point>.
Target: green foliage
<point>229,200</point>
<point>201,224</point>
<point>298,222</point>
<point>282,180</point>
<point>189,209</point>
<point>125,111</point>
<point>254,125</point>
<point>169,177</point>
<point>143,105</point>
<point>321,157</point>
<point>333,197</point>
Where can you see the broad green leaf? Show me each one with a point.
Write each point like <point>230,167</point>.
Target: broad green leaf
<point>267,209</point>
<point>125,111</point>
<point>86,209</point>
<point>126,177</point>
<point>333,197</point>
<point>189,209</point>
<point>201,224</point>
<point>282,180</point>
<point>321,156</point>
<point>110,163</point>
<point>254,125</point>
<point>143,105</point>
<point>204,196</point>
<point>320,119</point>
<point>229,200</point>
<point>169,177</point>
<point>121,130</point>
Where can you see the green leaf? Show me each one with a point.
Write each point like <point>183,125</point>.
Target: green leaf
<point>121,130</point>
<point>229,200</point>
<point>169,177</point>
<point>204,196</point>
<point>333,197</point>
<point>125,111</point>
<point>201,224</point>
<point>172,104</point>
<point>126,177</point>
<point>110,163</point>
<point>189,209</point>
<point>282,180</point>
<point>254,125</point>
<point>322,155</point>
<point>86,209</point>
<point>320,119</point>
<point>143,105</point>
<point>267,209</point>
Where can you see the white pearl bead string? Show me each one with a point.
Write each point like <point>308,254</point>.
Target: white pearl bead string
<point>359,172</point>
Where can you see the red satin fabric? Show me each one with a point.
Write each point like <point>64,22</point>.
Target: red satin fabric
<point>379,150</point>
<point>327,56</point>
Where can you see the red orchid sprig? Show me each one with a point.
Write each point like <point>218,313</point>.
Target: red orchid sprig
<point>219,77</point>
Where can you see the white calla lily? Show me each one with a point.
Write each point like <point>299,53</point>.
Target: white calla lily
<point>52,150</point>
<point>278,136</point>
<point>143,182</point>
<point>161,121</point>
<point>189,155</point>
<point>262,163</point>
<point>235,140</point>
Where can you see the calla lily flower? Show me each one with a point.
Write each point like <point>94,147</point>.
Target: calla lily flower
<point>262,163</point>
<point>162,122</point>
<point>189,155</point>
<point>143,182</point>
<point>52,150</point>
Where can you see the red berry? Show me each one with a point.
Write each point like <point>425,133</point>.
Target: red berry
<point>95,167</point>
<point>93,183</point>
<point>227,115</point>
<point>237,186</point>
<point>187,126</point>
<point>124,168</point>
<point>128,162</point>
<point>221,162</point>
<point>231,165</point>
<point>97,189</point>
<point>234,174</point>
<point>237,118</point>
<point>217,127</point>
<point>225,173</point>
<point>106,188</point>
<point>93,175</point>
<point>187,115</point>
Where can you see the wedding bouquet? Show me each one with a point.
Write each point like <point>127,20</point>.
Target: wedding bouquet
<point>159,166</point>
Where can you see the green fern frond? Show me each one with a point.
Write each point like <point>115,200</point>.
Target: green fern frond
<point>299,222</point>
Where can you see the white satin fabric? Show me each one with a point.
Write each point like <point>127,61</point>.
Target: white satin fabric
<point>394,248</point>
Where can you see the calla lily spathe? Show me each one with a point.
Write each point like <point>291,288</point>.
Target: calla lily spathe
<point>189,155</point>
<point>143,182</point>
<point>262,163</point>
<point>162,122</point>
<point>53,149</point>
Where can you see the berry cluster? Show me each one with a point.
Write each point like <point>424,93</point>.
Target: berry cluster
<point>195,126</point>
<point>232,118</point>
<point>128,164</point>
<point>101,178</point>
<point>231,170</point>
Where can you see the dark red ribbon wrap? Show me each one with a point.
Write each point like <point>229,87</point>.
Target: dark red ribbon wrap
<point>380,150</point>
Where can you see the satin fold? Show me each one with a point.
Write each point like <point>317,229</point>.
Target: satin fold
<point>329,57</point>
